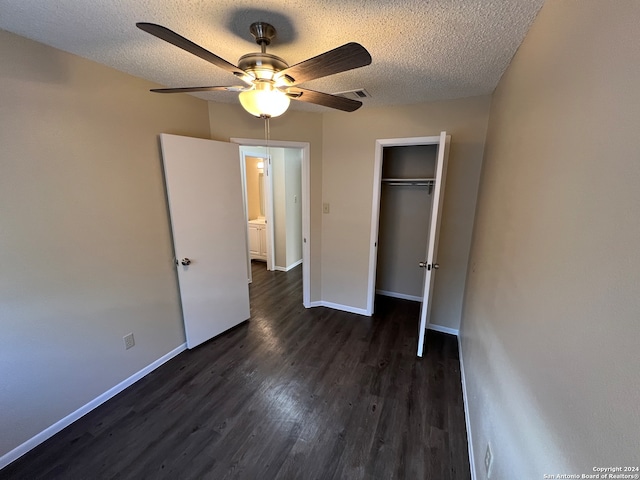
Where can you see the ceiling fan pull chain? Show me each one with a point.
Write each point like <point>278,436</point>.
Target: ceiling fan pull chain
<point>267,138</point>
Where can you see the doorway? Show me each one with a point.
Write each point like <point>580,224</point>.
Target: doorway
<point>254,166</point>
<point>405,211</point>
<point>407,223</point>
<point>277,205</point>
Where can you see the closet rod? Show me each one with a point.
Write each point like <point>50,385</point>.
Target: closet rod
<point>406,184</point>
<point>399,182</point>
<point>408,180</point>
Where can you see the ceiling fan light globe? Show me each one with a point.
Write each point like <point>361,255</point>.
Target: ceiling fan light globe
<point>264,103</point>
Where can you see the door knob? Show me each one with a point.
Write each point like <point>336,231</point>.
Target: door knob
<point>185,261</point>
<point>428,266</point>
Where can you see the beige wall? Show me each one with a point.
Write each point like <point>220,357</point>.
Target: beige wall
<point>348,153</point>
<point>85,248</point>
<point>293,200</point>
<point>230,120</point>
<point>287,214</point>
<point>551,321</point>
<point>279,207</point>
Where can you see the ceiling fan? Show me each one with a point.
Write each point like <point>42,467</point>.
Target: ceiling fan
<point>269,81</point>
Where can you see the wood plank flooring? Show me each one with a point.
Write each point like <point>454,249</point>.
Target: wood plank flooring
<point>290,394</point>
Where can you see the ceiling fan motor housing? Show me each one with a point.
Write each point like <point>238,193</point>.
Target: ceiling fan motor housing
<point>262,66</point>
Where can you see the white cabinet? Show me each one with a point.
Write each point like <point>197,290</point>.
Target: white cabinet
<point>258,240</point>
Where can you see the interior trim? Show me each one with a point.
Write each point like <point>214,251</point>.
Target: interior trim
<point>337,306</point>
<point>286,269</point>
<point>402,296</point>
<point>472,463</point>
<point>364,311</point>
<point>440,328</point>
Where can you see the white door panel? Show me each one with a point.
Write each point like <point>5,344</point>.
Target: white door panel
<point>432,244</point>
<point>204,190</point>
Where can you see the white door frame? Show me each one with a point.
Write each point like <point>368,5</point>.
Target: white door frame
<point>306,208</point>
<point>245,207</point>
<point>375,208</point>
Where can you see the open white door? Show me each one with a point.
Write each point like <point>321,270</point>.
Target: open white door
<point>430,265</point>
<point>204,190</point>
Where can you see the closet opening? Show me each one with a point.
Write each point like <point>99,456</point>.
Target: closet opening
<point>408,189</point>
<point>406,197</point>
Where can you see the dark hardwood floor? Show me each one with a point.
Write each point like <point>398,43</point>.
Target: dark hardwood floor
<point>290,394</point>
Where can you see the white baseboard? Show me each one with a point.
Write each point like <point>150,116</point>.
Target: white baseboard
<point>294,265</point>
<point>472,463</point>
<point>440,328</point>
<point>402,296</point>
<point>49,432</point>
<point>363,311</point>
<point>337,306</point>
<point>286,269</point>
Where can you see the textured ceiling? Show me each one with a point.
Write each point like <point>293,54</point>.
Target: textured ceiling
<point>422,50</point>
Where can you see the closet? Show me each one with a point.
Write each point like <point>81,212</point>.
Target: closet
<point>408,190</point>
<point>406,195</point>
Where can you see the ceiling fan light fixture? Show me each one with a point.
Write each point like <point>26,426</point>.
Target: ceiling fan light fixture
<point>264,101</point>
<point>269,76</point>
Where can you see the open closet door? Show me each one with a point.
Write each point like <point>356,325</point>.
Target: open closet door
<point>204,190</point>
<point>430,265</point>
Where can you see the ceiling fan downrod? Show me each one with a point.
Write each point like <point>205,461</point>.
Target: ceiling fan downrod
<point>263,65</point>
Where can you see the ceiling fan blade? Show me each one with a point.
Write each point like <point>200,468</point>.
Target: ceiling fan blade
<point>324,99</point>
<point>172,37</point>
<point>199,89</point>
<point>347,57</point>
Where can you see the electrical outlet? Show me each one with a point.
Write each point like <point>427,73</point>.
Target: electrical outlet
<point>488,460</point>
<point>128,341</point>
<point>325,208</point>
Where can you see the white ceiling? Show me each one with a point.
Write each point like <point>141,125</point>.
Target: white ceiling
<point>422,50</point>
